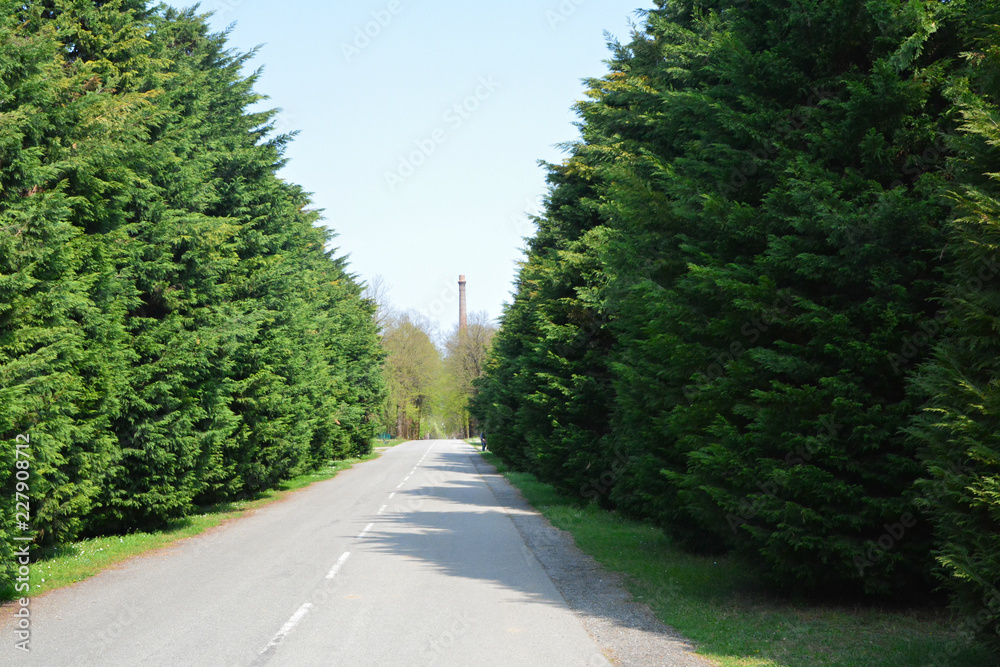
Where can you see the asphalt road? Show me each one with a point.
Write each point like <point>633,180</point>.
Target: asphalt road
<point>409,559</point>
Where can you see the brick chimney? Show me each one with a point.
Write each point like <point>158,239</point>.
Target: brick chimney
<point>461,304</point>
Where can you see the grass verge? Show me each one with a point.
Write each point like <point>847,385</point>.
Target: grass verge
<point>718,605</point>
<point>379,442</point>
<point>80,560</point>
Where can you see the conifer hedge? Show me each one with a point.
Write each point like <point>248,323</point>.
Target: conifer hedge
<point>958,430</point>
<point>789,202</point>
<point>174,329</point>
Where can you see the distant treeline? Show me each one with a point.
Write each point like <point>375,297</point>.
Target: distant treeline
<point>173,327</point>
<point>762,308</point>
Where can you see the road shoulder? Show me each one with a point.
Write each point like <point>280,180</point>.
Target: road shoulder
<point>627,632</point>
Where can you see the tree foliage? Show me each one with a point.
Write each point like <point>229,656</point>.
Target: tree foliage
<point>739,270</point>
<point>431,385</point>
<point>413,364</point>
<point>958,430</point>
<point>173,326</point>
<point>465,354</point>
<point>544,398</point>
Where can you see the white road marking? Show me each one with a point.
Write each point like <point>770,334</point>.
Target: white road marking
<point>339,564</point>
<point>365,531</point>
<point>287,627</point>
<point>382,509</point>
<point>391,495</point>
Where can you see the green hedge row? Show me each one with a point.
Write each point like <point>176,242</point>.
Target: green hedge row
<point>173,328</point>
<point>762,305</point>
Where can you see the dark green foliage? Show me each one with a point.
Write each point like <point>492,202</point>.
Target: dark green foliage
<point>498,399</point>
<point>544,403</point>
<point>785,259</point>
<point>173,328</point>
<point>959,430</point>
<point>61,327</point>
<point>769,190</point>
<point>802,273</point>
<point>352,337</point>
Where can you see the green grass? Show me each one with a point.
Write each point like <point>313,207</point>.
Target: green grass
<point>83,559</point>
<point>379,442</point>
<point>716,603</point>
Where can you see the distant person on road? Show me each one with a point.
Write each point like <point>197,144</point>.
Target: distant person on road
<point>482,439</point>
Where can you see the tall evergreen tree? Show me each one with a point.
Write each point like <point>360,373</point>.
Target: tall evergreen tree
<point>175,417</point>
<point>787,254</point>
<point>500,391</point>
<point>958,431</point>
<point>549,411</point>
<point>358,361</point>
<point>173,327</point>
<point>65,177</point>
<point>769,182</point>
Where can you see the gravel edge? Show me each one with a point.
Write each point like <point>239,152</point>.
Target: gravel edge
<point>627,631</point>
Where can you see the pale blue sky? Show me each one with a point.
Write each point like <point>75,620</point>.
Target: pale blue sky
<point>418,190</point>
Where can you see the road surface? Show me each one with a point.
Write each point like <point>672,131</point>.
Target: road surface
<point>409,559</point>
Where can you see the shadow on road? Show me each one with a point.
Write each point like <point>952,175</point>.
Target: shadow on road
<point>465,520</point>
<point>451,520</point>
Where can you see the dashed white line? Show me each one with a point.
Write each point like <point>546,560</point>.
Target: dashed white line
<point>339,564</point>
<point>391,495</point>
<point>287,627</point>
<point>365,531</point>
<point>382,509</point>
